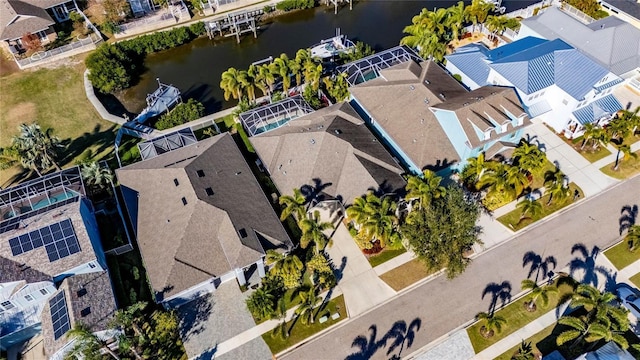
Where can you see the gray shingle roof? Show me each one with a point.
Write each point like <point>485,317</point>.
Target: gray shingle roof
<point>18,18</point>
<point>185,244</point>
<point>612,42</point>
<point>401,108</point>
<point>333,146</point>
<point>630,7</point>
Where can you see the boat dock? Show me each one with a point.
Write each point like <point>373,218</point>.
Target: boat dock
<point>160,101</point>
<point>235,24</point>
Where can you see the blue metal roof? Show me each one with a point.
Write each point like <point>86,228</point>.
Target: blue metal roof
<point>538,108</point>
<point>598,109</point>
<point>608,85</point>
<point>471,61</point>
<point>548,63</point>
<point>514,47</point>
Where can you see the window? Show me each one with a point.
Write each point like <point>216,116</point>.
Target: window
<point>209,191</point>
<point>184,201</point>
<point>175,181</point>
<point>7,305</point>
<point>200,173</point>
<point>28,297</point>
<point>44,291</point>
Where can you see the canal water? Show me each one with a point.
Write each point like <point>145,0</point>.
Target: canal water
<point>195,68</point>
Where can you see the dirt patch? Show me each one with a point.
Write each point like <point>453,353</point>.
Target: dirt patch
<point>24,112</point>
<point>7,65</point>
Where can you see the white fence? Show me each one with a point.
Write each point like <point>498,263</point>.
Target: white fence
<point>76,47</point>
<point>163,18</point>
<point>577,13</point>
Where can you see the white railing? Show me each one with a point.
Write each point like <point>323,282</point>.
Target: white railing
<point>90,41</point>
<point>577,13</point>
<point>175,13</point>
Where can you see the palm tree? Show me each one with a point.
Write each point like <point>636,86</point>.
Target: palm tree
<point>557,191</point>
<point>475,169</point>
<point>283,263</point>
<point>296,70</point>
<point>606,333</point>
<point>618,129</point>
<point>528,156</point>
<point>455,17</point>
<point>313,232</point>
<point>424,188</point>
<point>357,212</point>
<point>492,323</point>
<point>381,222</point>
<point>303,56</point>
<point>516,180</point>
<point>95,175</point>
<point>261,303</point>
<point>337,86</point>
<point>280,67</point>
<point>248,83</point>
<point>580,328</point>
<point>231,83</point>
<point>312,74</point>
<point>625,150</point>
<point>537,292</point>
<point>296,205</point>
<point>525,352</point>
<point>309,300</point>
<point>599,304</point>
<point>87,343</point>
<point>529,207</point>
<point>633,237</point>
<point>263,78</point>
<point>35,148</point>
<point>495,24</point>
<point>600,137</point>
<point>478,11</point>
<point>590,131</point>
<point>281,314</point>
<point>591,329</point>
<point>495,179</point>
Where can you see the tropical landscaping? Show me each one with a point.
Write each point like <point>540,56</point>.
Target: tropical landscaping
<point>628,251</point>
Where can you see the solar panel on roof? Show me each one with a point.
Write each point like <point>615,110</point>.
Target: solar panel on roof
<point>59,315</point>
<point>59,240</point>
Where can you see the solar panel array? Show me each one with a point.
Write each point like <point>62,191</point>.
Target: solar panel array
<point>59,315</point>
<point>59,240</point>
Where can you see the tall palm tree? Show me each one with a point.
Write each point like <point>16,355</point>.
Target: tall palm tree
<point>283,263</point>
<point>590,329</point>
<point>557,191</point>
<point>303,56</point>
<point>475,169</point>
<point>580,328</point>
<point>313,232</point>
<point>434,21</point>
<point>492,323</point>
<point>95,175</point>
<point>590,131</point>
<point>618,129</point>
<point>600,138</point>
<point>599,304</point>
<point>529,208</point>
<point>295,204</point>
<point>633,237</point>
<point>296,70</point>
<point>626,152</point>
<point>87,343</point>
<point>261,303</point>
<point>381,223</point>
<point>495,179</point>
<point>478,11</point>
<point>36,149</point>
<point>312,74</point>
<point>541,292</point>
<point>495,24</point>
<point>248,84</point>
<point>528,156</point>
<point>516,180</point>
<point>603,332</point>
<point>281,314</point>
<point>357,212</point>
<point>231,83</point>
<point>309,300</point>
<point>424,188</point>
<point>455,18</point>
<point>263,78</point>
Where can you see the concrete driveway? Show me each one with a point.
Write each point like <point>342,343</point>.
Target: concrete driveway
<point>437,307</point>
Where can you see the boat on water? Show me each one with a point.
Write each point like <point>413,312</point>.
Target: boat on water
<point>334,46</point>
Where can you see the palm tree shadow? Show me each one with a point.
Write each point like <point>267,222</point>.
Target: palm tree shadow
<point>401,334</point>
<point>103,139</point>
<point>313,192</point>
<point>586,263</point>
<point>368,345</point>
<point>499,292</point>
<point>628,217</point>
<point>539,265</point>
<point>194,315</point>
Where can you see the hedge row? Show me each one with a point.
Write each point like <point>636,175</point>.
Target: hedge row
<point>114,66</point>
<point>288,5</point>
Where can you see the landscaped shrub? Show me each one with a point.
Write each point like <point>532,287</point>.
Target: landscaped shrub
<point>457,77</point>
<point>181,114</point>
<point>111,68</point>
<point>288,5</point>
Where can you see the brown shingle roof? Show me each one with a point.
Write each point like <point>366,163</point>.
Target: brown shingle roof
<point>18,18</point>
<point>399,102</point>
<point>184,245</point>
<point>333,147</point>
<point>485,108</point>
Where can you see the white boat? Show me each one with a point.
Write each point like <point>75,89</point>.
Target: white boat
<point>332,47</point>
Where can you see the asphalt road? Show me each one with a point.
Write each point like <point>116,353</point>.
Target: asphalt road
<point>442,305</point>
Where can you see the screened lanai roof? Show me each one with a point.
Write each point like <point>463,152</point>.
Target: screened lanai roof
<point>368,68</point>
<point>38,196</point>
<point>163,144</point>
<point>272,116</point>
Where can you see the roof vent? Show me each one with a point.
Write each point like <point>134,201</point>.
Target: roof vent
<point>85,312</point>
<point>313,141</point>
<point>238,173</point>
<point>82,292</point>
<point>421,121</point>
<point>493,93</point>
<point>427,81</point>
<point>337,131</point>
<point>184,201</point>
<point>320,127</point>
<point>442,96</point>
<point>411,87</point>
<point>426,101</point>
<point>465,104</point>
<point>415,141</point>
<point>175,181</point>
<point>243,233</point>
<point>200,173</point>
<point>209,191</point>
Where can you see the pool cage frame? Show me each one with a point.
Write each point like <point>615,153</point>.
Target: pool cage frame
<point>166,143</point>
<point>356,70</point>
<point>69,180</point>
<point>290,108</point>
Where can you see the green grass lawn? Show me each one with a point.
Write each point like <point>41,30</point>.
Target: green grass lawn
<point>627,168</point>
<point>517,317</point>
<point>406,274</point>
<point>538,178</point>
<point>55,99</point>
<point>587,152</point>
<point>300,331</point>
<point>621,257</point>
<point>225,123</point>
<point>512,219</point>
<point>385,256</point>
<point>535,339</point>
<point>495,200</point>
<point>635,279</point>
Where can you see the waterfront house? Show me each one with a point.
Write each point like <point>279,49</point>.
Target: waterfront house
<point>557,83</point>
<point>403,106</point>
<point>331,155</point>
<point>199,215</point>
<point>53,272</point>
<point>37,17</point>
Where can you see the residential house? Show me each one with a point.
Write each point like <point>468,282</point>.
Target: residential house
<point>53,272</point>
<point>402,106</point>
<point>330,154</point>
<point>557,83</point>
<point>37,17</point>
<point>200,216</point>
<point>627,10</point>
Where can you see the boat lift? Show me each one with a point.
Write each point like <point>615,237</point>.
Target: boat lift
<point>235,24</point>
<point>336,2</point>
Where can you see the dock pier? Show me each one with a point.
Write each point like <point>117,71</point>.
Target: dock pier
<point>235,24</point>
